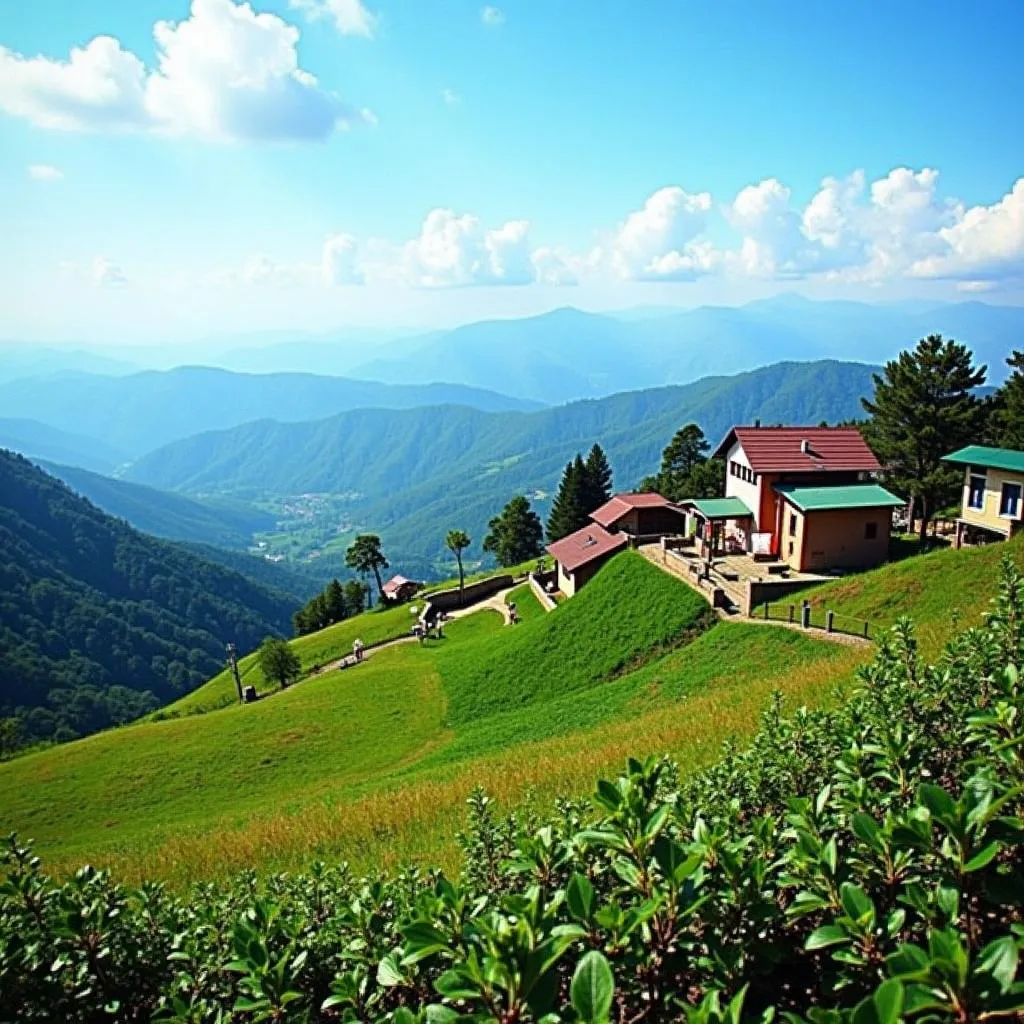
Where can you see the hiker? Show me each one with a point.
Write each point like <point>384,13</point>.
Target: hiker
<point>357,649</point>
<point>512,613</point>
<point>420,632</point>
<point>442,617</point>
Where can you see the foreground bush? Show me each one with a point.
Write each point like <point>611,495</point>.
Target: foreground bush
<point>864,864</point>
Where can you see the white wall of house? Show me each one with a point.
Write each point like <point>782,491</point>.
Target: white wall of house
<point>736,487</point>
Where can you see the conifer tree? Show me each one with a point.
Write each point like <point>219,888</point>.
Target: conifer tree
<point>365,556</point>
<point>568,510</point>
<point>598,479</point>
<point>334,602</point>
<point>1008,421</point>
<point>923,408</point>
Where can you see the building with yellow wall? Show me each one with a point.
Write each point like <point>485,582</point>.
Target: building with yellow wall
<point>993,493</point>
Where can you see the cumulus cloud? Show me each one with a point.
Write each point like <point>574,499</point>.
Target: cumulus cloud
<point>339,261</point>
<point>659,242</point>
<point>455,250</point>
<point>983,243</point>
<point>223,73</point>
<point>350,17</point>
<point>44,172</point>
<point>557,267</point>
<point>492,16</point>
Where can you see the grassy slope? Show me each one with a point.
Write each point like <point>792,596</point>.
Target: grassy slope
<point>365,764</point>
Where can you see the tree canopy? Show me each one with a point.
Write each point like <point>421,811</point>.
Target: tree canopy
<point>1007,426</point>
<point>457,541</point>
<point>278,661</point>
<point>686,471</point>
<point>365,556</point>
<point>516,534</point>
<point>923,408</point>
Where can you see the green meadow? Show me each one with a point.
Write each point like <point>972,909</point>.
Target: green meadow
<point>373,764</point>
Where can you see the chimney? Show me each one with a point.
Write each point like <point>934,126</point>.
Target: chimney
<point>805,446</point>
<point>757,423</point>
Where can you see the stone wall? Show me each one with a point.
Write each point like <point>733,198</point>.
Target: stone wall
<point>448,600</point>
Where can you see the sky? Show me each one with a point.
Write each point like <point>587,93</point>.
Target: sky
<point>181,169</point>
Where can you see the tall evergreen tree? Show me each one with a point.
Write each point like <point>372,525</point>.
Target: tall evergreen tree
<point>923,408</point>
<point>516,534</point>
<point>334,601</point>
<point>598,482</point>
<point>569,511</point>
<point>356,592</point>
<point>1008,418</point>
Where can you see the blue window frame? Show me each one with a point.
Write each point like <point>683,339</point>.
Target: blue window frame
<point>1009,504</point>
<point>976,493</point>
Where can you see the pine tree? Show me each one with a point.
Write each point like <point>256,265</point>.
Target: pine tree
<point>680,461</point>
<point>1008,421</point>
<point>568,510</point>
<point>355,597</point>
<point>334,600</point>
<point>516,534</point>
<point>598,487</point>
<point>922,409</point>
<point>365,555</point>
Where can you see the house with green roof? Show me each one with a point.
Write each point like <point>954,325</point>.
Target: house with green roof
<point>993,493</point>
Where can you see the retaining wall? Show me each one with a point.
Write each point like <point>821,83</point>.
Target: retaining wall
<point>759,591</point>
<point>448,600</point>
<point>547,602</point>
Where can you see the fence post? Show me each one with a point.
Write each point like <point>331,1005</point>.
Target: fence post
<point>866,624</point>
<point>792,613</point>
<point>830,621</point>
<point>766,611</point>
<point>805,615</point>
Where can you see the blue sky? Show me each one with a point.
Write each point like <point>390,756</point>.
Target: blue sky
<point>174,169</point>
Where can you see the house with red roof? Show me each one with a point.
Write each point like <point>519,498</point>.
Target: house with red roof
<point>578,556</point>
<point>640,515</point>
<point>804,495</point>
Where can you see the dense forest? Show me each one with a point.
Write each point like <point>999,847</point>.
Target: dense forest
<point>100,623</point>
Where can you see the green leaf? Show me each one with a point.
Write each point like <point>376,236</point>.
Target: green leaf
<point>389,973</point>
<point>937,800</point>
<point>856,903</point>
<point>999,958</point>
<point>593,987</point>
<point>826,935</point>
<point>888,1000</point>
<point>403,1015</point>
<point>982,858</point>
<point>455,985</point>
<point>908,961</point>
<point>579,896</point>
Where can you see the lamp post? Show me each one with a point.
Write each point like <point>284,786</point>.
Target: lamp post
<point>233,665</point>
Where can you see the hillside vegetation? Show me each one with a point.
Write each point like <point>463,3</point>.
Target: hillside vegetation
<point>861,864</point>
<point>99,623</point>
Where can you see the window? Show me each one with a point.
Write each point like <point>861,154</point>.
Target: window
<point>790,549</point>
<point>870,531</point>
<point>792,525</point>
<point>976,492</point>
<point>1010,504</point>
<point>734,468</point>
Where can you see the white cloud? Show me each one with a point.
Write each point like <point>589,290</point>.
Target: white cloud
<point>451,97</point>
<point>773,244</point>
<point>658,243</point>
<point>44,172</point>
<point>223,73</point>
<point>556,267</point>
<point>350,17</point>
<point>106,273</point>
<point>492,16</point>
<point>339,261</point>
<point>983,243</point>
<point>453,250</point>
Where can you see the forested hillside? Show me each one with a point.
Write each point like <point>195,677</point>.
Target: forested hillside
<point>171,516</point>
<point>100,623</point>
<point>39,441</point>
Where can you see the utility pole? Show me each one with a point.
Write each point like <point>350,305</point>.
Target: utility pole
<point>233,665</point>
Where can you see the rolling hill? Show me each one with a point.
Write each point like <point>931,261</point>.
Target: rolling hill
<point>142,411</point>
<point>100,623</point>
<point>568,354</point>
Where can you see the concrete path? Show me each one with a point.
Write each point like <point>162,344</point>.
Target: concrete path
<point>652,552</point>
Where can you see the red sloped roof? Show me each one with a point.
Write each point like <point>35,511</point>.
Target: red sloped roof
<point>584,546</point>
<point>780,449</point>
<point>397,582</point>
<point>617,506</point>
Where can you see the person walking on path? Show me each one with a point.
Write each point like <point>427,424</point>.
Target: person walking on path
<point>357,649</point>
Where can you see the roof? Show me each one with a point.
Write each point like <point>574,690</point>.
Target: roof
<point>992,458</point>
<point>396,583</point>
<point>781,449</point>
<point>820,499</point>
<point>719,508</point>
<point>621,504</point>
<point>584,546</point>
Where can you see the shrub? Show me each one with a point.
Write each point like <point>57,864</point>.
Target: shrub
<point>862,864</point>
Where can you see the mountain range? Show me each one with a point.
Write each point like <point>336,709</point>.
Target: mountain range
<point>568,354</point>
<point>138,412</point>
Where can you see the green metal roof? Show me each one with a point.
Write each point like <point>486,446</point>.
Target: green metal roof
<point>817,499</point>
<point>993,458</point>
<point>719,508</point>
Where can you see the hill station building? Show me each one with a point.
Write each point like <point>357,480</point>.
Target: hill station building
<point>399,589</point>
<point>805,496</point>
<point>993,494</point>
